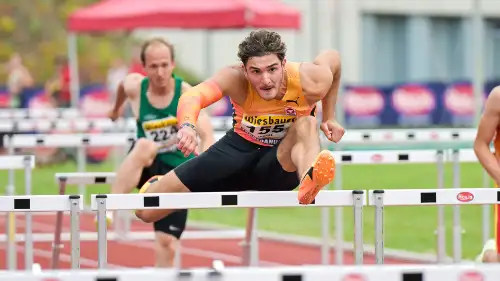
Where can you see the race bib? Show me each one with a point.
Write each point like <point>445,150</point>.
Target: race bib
<point>162,132</point>
<point>268,129</point>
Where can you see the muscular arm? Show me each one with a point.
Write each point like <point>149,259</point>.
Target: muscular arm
<point>330,66</point>
<point>205,94</point>
<point>205,129</point>
<point>486,131</point>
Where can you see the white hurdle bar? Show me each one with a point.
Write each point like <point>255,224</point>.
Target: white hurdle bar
<point>48,113</point>
<point>407,136</point>
<point>462,272</point>
<point>78,141</point>
<point>78,125</point>
<point>85,124</point>
<point>64,179</point>
<point>44,203</point>
<point>425,197</point>
<point>210,200</point>
<point>440,157</point>
<point>26,163</point>
<point>64,119</point>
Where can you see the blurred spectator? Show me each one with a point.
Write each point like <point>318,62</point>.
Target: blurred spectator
<point>116,74</point>
<point>57,88</point>
<point>19,79</point>
<point>137,67</point>
<point>135,62</point>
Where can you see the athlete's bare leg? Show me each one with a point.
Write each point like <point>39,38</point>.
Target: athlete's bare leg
<point>489,253</point>
<point>169,183</point>
<point>300,151</point>
<point>300,146</point>
<point>129,173</point>
<point>490,256</point>
<point>165,247</point>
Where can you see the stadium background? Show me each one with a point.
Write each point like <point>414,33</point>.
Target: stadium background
<point>404,65</point>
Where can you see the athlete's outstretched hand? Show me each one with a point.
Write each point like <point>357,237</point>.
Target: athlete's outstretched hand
<point>187,140</point>
<point>333,130</point>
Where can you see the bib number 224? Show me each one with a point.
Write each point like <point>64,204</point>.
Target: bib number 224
<point>162,134</point>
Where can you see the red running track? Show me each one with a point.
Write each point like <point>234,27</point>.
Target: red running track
<point>135,254</point>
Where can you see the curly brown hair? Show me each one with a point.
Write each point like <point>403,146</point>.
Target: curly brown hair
<point>261,43</point>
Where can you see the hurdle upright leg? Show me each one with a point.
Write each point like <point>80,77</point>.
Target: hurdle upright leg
<point>81,166</point>
<point>102,243</point>
<point>358,226</point>
<point>379,226</point>
<point>457,227</point>
<point>75,231</point>
<point>245,244</point>
<point>325,234</point>
<point>251,243</point>
<point>11,217</point>
<point>254,240</point>
<point>57,245</point>
<point>486,211</point>
<point>441,230</point>
<point>28,239</point>
<point>339,220</point>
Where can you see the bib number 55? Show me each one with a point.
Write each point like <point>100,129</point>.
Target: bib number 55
<point>266,129</point>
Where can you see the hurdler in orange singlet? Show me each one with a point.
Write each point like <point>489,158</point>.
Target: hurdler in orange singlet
<point>267,122</point>
<point>274,143</point>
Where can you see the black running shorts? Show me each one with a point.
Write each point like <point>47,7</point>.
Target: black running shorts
<point>235,164</point>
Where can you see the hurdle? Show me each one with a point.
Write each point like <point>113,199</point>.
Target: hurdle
<point>406,136</point>
<point>207,200</point>
<point>73,125</point>
<point>425,197</point>
<point>49,113</point>
<point>446,142</point>
<point>86,124</point>
<point>64,179</point>
<point>44,203</point>
<point>79,141</point>
<point>414,157</point>
<point>26,163</point>
<point>465,272</point>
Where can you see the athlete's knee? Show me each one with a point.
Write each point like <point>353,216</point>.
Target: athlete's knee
<point>490,256</point>
<point>146,216</point>
<point>306,125</point>
<point>144,151</point>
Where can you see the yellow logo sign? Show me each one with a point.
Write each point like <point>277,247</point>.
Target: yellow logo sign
<point>267,120</point>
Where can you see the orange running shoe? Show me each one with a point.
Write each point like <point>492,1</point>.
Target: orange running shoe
<point>320,174</point>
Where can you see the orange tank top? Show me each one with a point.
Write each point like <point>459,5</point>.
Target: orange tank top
<point>267,122</point>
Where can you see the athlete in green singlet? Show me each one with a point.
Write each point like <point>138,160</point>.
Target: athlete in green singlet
<point>153,100</point>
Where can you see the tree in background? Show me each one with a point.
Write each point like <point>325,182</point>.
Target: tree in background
<point>37,30</point>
